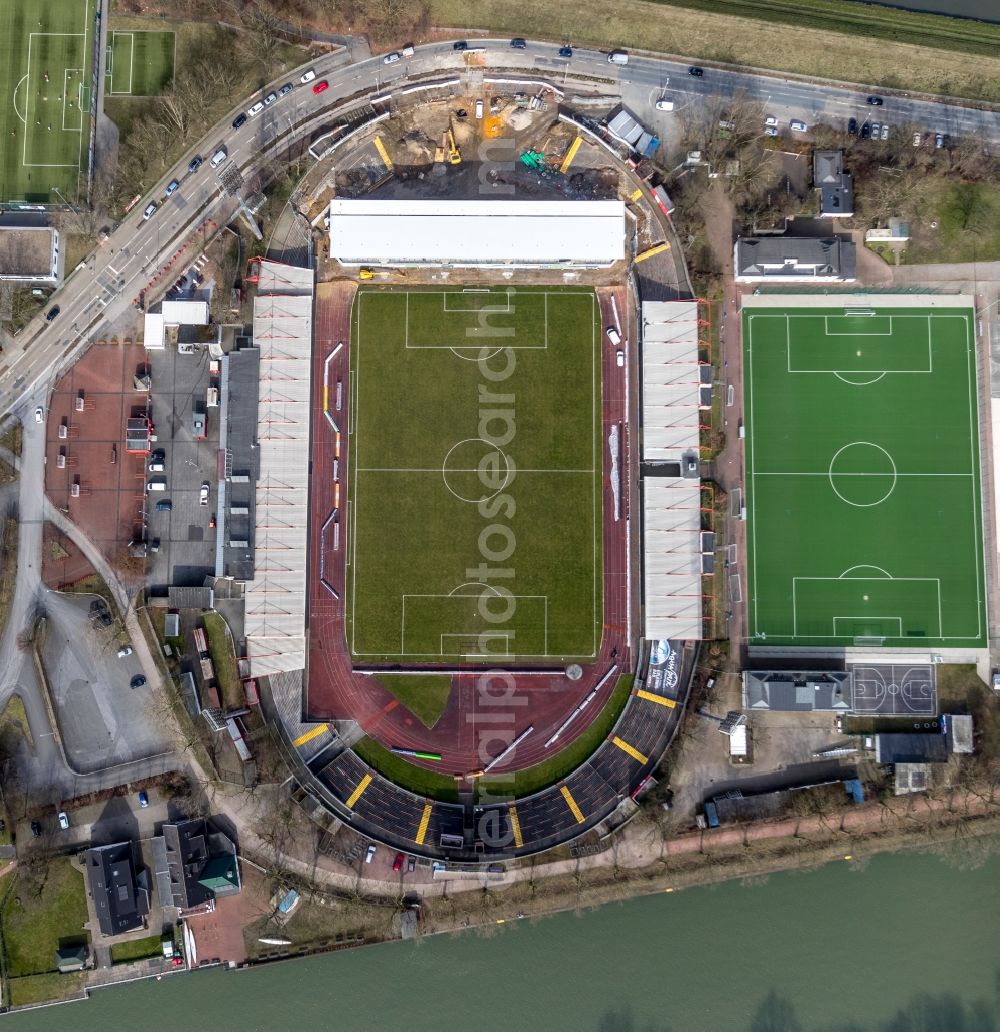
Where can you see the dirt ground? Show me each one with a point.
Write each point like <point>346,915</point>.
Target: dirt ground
<point>219,936</point>
<point>63,564</point>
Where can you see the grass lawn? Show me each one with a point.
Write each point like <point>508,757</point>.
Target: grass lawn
<point>416,779</point>
<point>555,768</point>
<point>454,473</point>
<point>141,63</point>
<point>220,648</point>
<point>14,718</point>
<point>11,437</point>
<point>968,217</point>
<point>863,528</point>
<point>35,924</point>
<point>44,988</point>
<point>45,83</point>
<point>424,695</point>
<point>136,949</point>
<point>8,567</point>
<point>802,46</point>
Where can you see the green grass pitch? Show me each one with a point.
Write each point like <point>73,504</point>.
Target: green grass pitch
<point>439,494</point>
<point>862,475</point>
<point>139,64</point>
<point>45,123</point>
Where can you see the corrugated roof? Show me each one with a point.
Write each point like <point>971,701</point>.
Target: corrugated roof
<point>275,598</point>
<point>475,233</point>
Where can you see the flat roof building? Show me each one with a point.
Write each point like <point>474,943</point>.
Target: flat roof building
<point>29,253</point>
<point>521,234</point>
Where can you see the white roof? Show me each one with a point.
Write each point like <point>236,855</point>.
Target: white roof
<point>474,233</point>
<point>670,379</point>
<point>738,741</point>
<point>185,313</point>
<point>152,332</point>
<point>671,544</point>
<point>276,597</point>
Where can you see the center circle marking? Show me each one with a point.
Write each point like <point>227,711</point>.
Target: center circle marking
<point>460,470</point>
<point>862,474</point>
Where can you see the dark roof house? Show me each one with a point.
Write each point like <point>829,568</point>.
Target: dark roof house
<point>118,887</point>
<point>201,863</point>
<point>790,690</point>
<point>72,958</point>
<point>790,259</point>
<point>836,188</point>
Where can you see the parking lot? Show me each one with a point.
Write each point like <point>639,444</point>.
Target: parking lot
<point>103,721</point>
<point>186,552</point>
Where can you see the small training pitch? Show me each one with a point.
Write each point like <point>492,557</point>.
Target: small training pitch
<point>46,62</point>
<point>474,509</point>
<point>862,472</point>
<point>138,64</point>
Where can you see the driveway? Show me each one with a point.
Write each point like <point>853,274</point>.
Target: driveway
<point>103,721</point>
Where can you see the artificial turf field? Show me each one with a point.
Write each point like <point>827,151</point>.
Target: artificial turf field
<point>460,466</point>
<point>139,64</point>
<point>44,123</point>
<point>862,473</point>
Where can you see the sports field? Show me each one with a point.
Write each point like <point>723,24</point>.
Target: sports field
<point>46,61</point>
<point>474,507</point>
<point>862,472</point>
<point>138,64</point>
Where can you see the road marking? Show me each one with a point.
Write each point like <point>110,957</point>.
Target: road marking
<point>424,821</point>
<point>310,735</point>
<point>571,803</point>
<point>658,699</point>
<point>631,750</point>
<point>515,825</point>
<point>383,153</point>
<point>356,794</point>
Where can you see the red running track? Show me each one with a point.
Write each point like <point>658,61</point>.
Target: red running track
<point>480,719</point>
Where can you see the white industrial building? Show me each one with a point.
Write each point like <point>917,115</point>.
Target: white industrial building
<point>462,234</point>
<point>276,597</point>
<point>171,316</point>
<point>673,394</point>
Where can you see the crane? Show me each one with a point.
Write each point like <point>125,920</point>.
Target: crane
<point>454,154</point>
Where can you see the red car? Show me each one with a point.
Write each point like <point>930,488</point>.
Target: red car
<point>397,864</point>
<point>320,86</point>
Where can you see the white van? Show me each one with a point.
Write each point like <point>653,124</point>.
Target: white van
<point>479,109</point>
<point>219,157</point>
<point>156,485</point>
<point>156,467</point>
<point>618,57</point>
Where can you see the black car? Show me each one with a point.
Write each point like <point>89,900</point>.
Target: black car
<point>519,44</point>
<point>866,131</point>
<point>164,506</point>
<point>240,120</point>
<point>52,313</point>
<point>565,51</point>
<point>195,163</point>
<point>694,70</point>
<point>852,126</point>
<point>36,829</point>
<point>875,101</point>
<point>460,44</point>
<point>137,682</point>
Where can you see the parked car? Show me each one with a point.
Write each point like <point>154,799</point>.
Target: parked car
<point>938,141</point>
<point>460,44</point>
<point>411,863</point>
<point>866,131</point>
<point>195,163</point>
<point>39,414</point>
<point>392,58</point>
<point>52,313</point>
<point>770,131</point>
<point>397,864</point>
<point>370,853</point>
<point>885,131</point>
<point>63,820</point>
<point>799,127</point>
<point>918,139</point>
<point>255,108</point>
<point>240,120</point>
<point>852,126</point>
<point>154,545</point>
<point>286,89</point>
<point>613,335</point>
<point>125,650</point>
<point>164,506</point>
<point>770,120</point>
<point>320,86</point>
<point>308,76</point>
<point>143,799</point>
<point>876,129</point>
<point>694,70</point>
<point>173,185</point>
<point>150,210</point>
<point>565,51</point>
<point>875,101</point>
<point>518,43</point>
<point>137,682</point>
<point>203,493</point>
<point>270,99</point>
<point>664,105</point>
<point>619,358</point>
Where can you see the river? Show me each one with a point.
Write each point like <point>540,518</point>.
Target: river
<point>984,10</point>
<point>903,943</point>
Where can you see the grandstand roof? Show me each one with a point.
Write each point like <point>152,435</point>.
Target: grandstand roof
<point>276,597</point>
<point>475,233</point>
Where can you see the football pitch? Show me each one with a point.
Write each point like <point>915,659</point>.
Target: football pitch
<point>46,57</point>
<point>862,472</point>
<point>138,64</point>
<point>474,510</point>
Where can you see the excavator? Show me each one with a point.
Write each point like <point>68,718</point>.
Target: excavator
<point>454,154</point>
